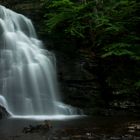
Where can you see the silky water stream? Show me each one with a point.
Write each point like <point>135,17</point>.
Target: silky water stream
<point>28,83</point>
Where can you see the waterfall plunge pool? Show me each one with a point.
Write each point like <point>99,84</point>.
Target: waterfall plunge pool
<point>85,128</point>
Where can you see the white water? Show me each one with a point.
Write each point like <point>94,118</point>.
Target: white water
<point>28,85</point>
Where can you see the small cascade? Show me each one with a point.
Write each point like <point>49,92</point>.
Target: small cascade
<point>28,84</point>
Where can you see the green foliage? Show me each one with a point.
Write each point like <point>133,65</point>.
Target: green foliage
<point>121,29</point>
<point>108,28</point>
<point>70,15</point>
<point>111,25</point>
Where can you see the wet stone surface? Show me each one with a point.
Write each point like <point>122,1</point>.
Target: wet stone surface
<point>90,134</point>
<point>128,131</point>
<point>75,129</point>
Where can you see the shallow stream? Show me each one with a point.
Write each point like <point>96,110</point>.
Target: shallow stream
<point>83,128</point>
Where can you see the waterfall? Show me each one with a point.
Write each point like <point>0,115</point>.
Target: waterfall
<point>28,84</point>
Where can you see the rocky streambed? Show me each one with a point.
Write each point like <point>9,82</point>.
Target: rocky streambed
<point>87,128</point>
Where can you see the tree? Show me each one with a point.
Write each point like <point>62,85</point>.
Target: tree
<point>109,29</point>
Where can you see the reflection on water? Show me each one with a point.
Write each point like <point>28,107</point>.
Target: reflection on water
<point>47,117</point>
<point>84,128</point>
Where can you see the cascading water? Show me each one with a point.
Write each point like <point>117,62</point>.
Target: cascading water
<point>28,85</point>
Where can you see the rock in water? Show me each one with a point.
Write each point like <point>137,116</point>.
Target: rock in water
<point>3,113</point>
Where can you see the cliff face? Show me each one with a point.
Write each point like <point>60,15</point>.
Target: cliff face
<point>77,85</point>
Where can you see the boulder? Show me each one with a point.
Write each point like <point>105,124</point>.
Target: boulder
<point>3,113</point>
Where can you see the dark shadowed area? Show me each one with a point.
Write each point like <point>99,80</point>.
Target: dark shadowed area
<point>85,128</point>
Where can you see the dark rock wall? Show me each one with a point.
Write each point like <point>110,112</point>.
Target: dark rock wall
<point>78,86</point>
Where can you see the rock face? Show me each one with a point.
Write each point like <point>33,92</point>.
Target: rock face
<point>77,85</point>
<point>3,113</point>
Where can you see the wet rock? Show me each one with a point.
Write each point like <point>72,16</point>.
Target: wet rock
<point>55,138</point>
<point>3,113</point>
<point>65,138</point>
<point>115,138</point>
<point>133,127</point>
<point>77,137</point>
<point>137,138</point>
<point>46,126</point>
